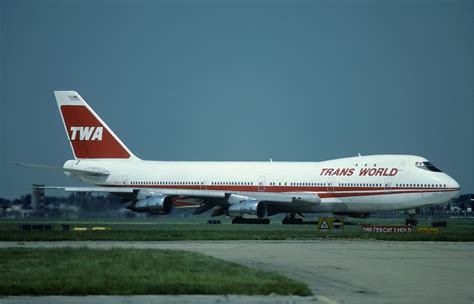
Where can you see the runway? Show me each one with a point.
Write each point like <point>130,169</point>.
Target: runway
<point>339,271</point>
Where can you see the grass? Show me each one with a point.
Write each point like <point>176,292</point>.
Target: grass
<point>170,230</point>
<point>83,271</point>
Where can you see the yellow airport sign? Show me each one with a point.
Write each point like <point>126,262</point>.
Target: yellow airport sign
<point>428,230</point>
<point>100,228</point>
<point>91,229</point>
<point>80,229</point>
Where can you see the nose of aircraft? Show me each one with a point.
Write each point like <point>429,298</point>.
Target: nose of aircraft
<point>453,184</point>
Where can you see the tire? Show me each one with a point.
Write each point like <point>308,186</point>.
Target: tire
<point>411,222</point>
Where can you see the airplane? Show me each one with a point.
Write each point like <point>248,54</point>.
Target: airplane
<point>248,192</point>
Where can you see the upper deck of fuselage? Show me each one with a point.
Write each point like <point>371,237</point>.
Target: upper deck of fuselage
<point>248,168</point>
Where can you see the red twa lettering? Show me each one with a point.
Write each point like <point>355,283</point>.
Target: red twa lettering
<point>372,171</point>
<point>363,171</point>
<point>337,172</point>
<point>377,172</point>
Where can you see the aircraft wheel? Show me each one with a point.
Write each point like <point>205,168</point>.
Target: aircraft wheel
<point>411,222</point>
<point>292,221</point>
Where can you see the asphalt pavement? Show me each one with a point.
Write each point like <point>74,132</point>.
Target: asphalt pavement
<point>337,271</point>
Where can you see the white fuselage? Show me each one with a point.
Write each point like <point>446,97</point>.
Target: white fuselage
<point>356,184</point>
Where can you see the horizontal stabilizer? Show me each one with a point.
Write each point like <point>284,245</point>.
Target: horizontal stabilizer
<point>90,189</point>
<point>95,173</point>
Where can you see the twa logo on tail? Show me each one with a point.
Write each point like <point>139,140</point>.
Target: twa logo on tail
<point>86,133</point>
<point>89,136</point>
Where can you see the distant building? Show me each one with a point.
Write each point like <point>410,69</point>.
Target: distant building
<point>37,198</point>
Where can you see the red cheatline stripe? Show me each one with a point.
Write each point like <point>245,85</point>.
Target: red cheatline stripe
<point>349,194</point>
<point>321,191</point>
<point>276,188</point>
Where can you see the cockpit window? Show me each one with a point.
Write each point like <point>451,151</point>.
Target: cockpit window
<point>431,167</point>
<point>427,166</point>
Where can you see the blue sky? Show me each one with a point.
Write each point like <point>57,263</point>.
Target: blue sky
<point>240,80</point>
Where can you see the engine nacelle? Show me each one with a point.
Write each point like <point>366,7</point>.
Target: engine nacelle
<point>157,204</point>
<point>248,208</point>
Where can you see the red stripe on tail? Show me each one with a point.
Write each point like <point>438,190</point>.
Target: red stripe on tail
<point>89,138</point>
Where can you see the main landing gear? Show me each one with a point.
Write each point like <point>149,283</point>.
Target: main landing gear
<point>290,219</point>
<point>241,220</point>
<point>412,219</point>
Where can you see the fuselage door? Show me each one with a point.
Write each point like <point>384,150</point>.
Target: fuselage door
<point>388,183</point>
<point>124,179</point>
<point>203,183</point>
<point>402,166</point>
<point>261,183</point>
<point>330,184</point>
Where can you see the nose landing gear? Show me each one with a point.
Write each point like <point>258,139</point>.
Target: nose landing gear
<point>412,219</point>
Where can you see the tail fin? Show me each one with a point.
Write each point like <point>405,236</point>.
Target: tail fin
<point>89,136</point>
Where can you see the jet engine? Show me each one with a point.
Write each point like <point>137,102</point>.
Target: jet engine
<point>157,204</point>
<point>248,208</point>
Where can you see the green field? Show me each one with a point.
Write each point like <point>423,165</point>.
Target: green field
<point>82,271</point>
<point>168,230</point>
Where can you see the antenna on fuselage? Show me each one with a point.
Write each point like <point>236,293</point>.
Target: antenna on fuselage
<point>359,154</point>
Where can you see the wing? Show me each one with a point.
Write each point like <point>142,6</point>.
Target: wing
<point>301,198</point>
<point>204,200</point>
